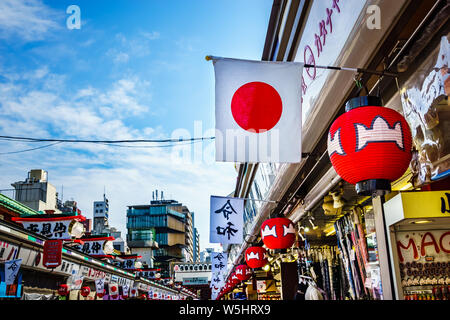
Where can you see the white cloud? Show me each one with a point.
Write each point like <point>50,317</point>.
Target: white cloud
<point>29,20</point>
<point>129,174</point>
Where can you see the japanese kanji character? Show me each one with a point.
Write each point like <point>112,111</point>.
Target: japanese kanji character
<point>227,209</point>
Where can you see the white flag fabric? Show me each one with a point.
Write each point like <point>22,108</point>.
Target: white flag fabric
<point>100,285</point>
<point>11,270</point>
<point>258,110</point>
<point>226,220</point>
<point>219,262</point>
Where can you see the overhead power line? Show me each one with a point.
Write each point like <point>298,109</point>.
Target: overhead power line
<point>29,139</point>
<point>41,147</point>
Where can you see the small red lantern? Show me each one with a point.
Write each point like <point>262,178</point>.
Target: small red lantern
<point>100,294</point>
<point>255,257</point>
<point>85,291</point>
<point>63,289</point>
<point>278,233</point>
<point>369,145</point>
<point>234,279</point>
<point>243,272</point>
<point>143,297</point>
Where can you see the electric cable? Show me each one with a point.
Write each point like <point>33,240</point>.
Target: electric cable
<point>103,141</point>
<point>41,147</point>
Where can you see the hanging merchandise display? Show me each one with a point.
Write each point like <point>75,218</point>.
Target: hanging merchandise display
<point>319,268</point>
<point>352,244</point>
<point>369,145</point>
<point>255,257</point>
<point>278,233</point>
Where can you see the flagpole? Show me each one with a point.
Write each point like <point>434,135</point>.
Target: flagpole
<point>358,70</point>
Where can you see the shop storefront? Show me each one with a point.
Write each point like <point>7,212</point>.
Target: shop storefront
<point>343,235</point>
<point>77,275</point>
<point>419,244</point>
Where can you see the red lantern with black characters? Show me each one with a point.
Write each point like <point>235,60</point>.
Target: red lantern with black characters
<point>243,272</point>
<point>63,289</point>
<point>278,233</point>
<point>255,257</point>
<point>85,291</point>
<point>370,145</point>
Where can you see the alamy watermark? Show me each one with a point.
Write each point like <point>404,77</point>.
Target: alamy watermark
<point>74,20</point>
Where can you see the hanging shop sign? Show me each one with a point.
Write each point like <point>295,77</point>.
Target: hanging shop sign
<point>125,291</point>
<point>75,282</point>
<point>255,257</point>
<point>12,268</point>
<point>219,262</point>
<point>226,220</point>
<point>369,145</point>
<point>278,233</point>
<point>97,247</point>
<point>100,287</point>
<point>129,261</point>
<point>217,280</point>
<point>195,281</point>
<point>425,106</point>
<point>62,227</point>
<point>52,253</point>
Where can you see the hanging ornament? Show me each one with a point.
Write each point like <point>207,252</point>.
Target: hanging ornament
<point>63,289</point>
<point>85,291</point>
<point>255,257</point>
<point>100,294</point>
<point>278,233</point>
<point>369,145</point>
<point>243,272</point>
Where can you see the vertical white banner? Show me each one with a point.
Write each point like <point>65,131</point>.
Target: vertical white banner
<point>219,262</point>
<point>100,285</point>
<point>11,270</point>
<point>226,220</point>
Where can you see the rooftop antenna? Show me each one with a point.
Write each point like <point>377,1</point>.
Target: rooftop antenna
<point>162,195</point>
<point>153,195</point>
<point>156,194</point>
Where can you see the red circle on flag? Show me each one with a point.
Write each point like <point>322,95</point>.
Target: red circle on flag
<point>256,107</point>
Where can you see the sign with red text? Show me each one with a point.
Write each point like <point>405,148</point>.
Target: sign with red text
<point>423,246</point>
<point>52,253</point>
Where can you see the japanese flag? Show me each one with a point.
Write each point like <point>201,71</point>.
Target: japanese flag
<point>113,289</point>
<point>258,110</point>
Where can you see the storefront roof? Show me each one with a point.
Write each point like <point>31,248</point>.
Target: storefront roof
<point>16,206</point>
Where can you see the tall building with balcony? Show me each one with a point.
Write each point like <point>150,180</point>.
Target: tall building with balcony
<point>161,232</point>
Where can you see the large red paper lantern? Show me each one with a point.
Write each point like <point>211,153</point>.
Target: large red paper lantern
<point>85,291</point>
<point>278,233</point>
<point>63,289</point>
<point>369,145</point>
<point>255,257</point>
<point>243,272</point>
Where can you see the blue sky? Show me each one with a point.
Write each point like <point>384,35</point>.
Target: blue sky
<point>135,69</point>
